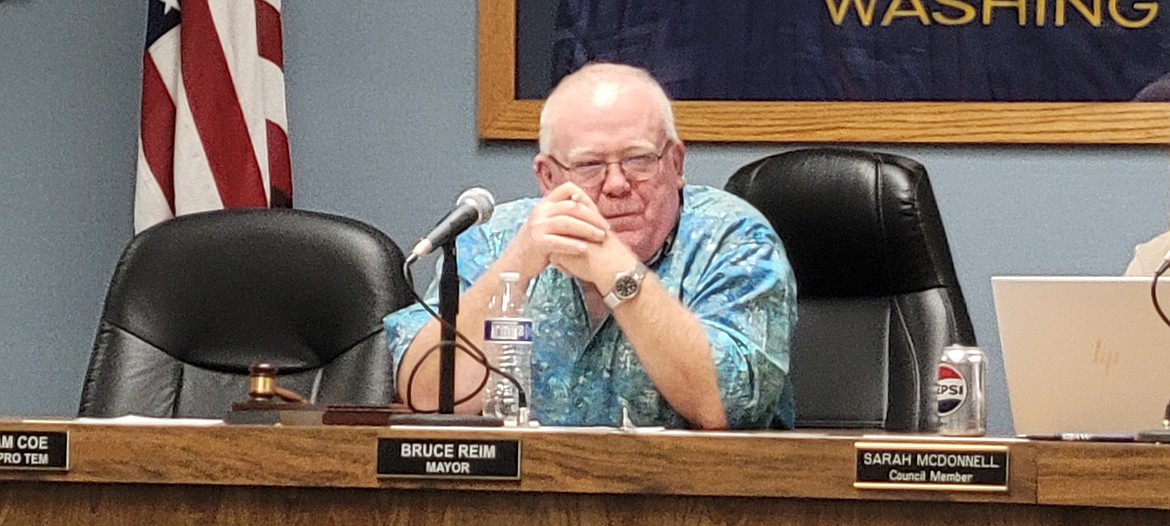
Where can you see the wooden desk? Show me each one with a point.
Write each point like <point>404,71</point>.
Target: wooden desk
<point>323,475</point>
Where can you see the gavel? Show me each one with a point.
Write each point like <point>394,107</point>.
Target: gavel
<point>262,385</point>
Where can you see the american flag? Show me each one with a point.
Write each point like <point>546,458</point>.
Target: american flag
<point>214,127</point>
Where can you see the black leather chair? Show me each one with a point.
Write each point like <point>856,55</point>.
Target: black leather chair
<point>877,292</point>
<point>195,300</point>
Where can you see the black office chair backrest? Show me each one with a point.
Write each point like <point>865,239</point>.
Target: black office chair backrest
<point>878,296</point>
<point>195,300</point>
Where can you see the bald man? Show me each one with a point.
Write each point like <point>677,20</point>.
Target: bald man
<point>697,335</point>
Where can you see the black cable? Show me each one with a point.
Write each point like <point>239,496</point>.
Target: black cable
<point>1158,307</point>
<point>1154,291</point>
<point>470,349</point>
<point>476,354</point>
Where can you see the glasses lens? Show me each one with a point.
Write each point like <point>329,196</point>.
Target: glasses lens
<point>641,167</point>
<point>588,173</point>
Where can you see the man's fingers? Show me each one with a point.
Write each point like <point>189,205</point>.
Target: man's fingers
<point>571,226</point>
<point>580,212</point>
<point>565,191</point>
<point>568,246</point>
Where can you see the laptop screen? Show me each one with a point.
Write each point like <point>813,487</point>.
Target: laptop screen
<point>1083,354</point>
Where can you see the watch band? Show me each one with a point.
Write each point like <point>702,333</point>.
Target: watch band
<point>626,285</point>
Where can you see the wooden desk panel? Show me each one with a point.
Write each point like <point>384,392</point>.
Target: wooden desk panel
<point>707,464</point>
<point>140,505</point>
<point>231,455</point>
<point>315,475</point>
<point>1088,474</point>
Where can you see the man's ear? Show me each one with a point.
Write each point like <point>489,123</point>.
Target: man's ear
<point>680,153</point>
<point>544,175</point>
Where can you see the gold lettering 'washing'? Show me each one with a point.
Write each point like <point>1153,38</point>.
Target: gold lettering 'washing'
<point>1059,13</point>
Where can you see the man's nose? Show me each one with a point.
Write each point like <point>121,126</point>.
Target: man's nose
<point>615,181</point>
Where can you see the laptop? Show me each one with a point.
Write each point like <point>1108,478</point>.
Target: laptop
<point>1083,354</point>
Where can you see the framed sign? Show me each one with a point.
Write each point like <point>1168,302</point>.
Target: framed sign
<point>1084,111</point>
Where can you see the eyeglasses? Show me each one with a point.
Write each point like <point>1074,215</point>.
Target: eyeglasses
<point>636,168</point>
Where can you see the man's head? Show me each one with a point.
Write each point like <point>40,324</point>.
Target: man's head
<point>609,129</point>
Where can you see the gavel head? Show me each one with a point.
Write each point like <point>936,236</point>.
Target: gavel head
<point>261,381</point>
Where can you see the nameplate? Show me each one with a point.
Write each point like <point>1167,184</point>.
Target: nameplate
<point>931,466</point>
<point>449,459</point>
<point>34,450</point>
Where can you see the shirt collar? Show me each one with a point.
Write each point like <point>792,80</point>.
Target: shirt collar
<point>669,242</point>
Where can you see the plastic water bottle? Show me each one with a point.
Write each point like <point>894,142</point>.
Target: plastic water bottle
<point>507,340</point>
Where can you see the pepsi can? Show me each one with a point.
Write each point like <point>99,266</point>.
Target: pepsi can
<point>961,391</point>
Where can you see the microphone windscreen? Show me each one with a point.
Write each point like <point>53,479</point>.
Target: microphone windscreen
<point>481,200</point>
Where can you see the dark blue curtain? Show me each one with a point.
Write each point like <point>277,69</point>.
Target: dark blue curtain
<point>793,50</point>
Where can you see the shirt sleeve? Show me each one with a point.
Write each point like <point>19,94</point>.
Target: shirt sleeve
<point>1148,256</point>
<point>746,302</point>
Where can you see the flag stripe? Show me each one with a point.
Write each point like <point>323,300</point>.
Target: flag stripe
<point>269,40</point>
<point>279,171</point>
<point>274,105</point>
<point>216,111</point>
<point>158,129</point>
<point>150,206</point>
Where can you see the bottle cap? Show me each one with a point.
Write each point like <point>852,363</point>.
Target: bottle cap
<point>510,276</point>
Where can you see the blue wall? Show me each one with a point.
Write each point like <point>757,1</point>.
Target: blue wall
<point>381,107</point>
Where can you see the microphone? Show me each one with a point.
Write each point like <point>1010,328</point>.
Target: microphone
<point>474,206</point>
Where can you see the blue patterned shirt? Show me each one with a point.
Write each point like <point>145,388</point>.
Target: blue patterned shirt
<point>726,265</point>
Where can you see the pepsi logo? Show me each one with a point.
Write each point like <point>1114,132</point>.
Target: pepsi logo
<point>951,390</point>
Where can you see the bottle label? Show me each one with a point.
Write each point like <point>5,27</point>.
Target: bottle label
<point>510,330</point>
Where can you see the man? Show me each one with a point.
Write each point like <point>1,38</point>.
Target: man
<point>701,337</point>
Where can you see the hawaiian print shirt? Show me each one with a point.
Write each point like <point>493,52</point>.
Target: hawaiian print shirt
<point>725,263</point>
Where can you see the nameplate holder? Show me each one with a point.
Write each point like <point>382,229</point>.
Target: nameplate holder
<point>932,466</point>
<point>448,459</point>
<point>34,451</point>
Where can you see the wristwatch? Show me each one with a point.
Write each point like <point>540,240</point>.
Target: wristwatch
<point>626,285</point>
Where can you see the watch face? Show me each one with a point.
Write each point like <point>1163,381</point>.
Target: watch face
<point>625,287</point>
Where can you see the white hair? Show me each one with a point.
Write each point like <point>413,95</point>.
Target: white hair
<point>596,75</point>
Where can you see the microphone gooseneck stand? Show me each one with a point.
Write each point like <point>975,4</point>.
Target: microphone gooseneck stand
<point>473,207</point>
<point>448,314</point>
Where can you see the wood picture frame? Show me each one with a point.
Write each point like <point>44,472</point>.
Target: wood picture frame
<point>500,115</point>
